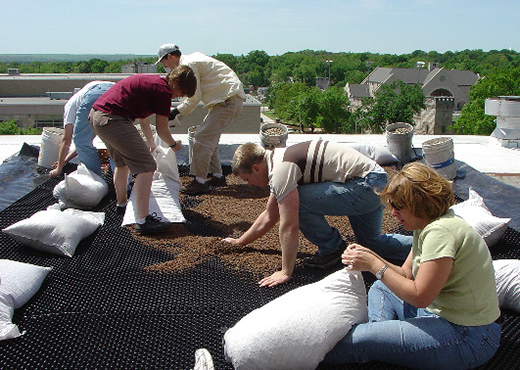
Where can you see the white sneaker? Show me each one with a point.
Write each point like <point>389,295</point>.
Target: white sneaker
<point>203,360</point>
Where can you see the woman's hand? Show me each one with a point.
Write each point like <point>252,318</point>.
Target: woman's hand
<point>356,257</point>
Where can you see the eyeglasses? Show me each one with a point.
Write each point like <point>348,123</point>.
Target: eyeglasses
<point>397,208</point>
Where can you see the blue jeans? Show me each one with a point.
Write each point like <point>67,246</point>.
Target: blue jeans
<point>402,334</point>
<point>83,134</point>
<point>356,199</point>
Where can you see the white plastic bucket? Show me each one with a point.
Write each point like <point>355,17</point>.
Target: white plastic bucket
<point>399,140</point>
<point>439,154</point>
<point>50,146</point>
<point>274,135</point>
<point>191,140</point>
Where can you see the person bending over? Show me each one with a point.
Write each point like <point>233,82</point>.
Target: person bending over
<point>112,119</point>
<point>307,182</point>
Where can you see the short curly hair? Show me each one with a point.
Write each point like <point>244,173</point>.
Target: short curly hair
<point>421,189</point>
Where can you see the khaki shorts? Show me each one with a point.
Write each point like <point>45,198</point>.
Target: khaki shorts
<point>124,143</point>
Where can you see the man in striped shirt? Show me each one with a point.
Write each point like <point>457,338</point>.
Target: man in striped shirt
<point>307,182</point>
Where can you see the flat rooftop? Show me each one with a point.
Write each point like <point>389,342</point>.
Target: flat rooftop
<point>479,152</point>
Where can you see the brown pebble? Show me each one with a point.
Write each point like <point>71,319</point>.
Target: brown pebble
<point>231,210</point>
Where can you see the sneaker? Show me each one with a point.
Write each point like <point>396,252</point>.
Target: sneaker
<point>319,261</point>
<point>195,188</point>
<point>216,181</point>
<point>203,360</point>
<point>152,224</point>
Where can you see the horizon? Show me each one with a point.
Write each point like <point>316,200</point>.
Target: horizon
<point>4,57</point>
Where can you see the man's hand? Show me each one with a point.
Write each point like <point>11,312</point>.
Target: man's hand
<point>279,277</point>
<point>174,112</point>
<point>232,241</point>
<point>55,173</point>
<point>177,147</point>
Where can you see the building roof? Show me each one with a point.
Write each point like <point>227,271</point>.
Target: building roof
<point>357,90</point>
<point>419,75</point>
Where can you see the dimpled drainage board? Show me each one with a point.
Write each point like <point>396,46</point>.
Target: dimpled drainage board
<point>101,309</point>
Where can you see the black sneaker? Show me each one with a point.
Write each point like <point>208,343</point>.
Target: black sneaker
<point>216,181</point>
<point>323,262</point>
<point>152,224</point>
<point>195,188</point>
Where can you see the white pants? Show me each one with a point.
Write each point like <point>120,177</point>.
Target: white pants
<point>205,158</point>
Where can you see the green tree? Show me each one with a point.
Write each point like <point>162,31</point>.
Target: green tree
<point>473,120</point>
<point>9,127</point>
<point>230,60</point>
<point>396,102</point>
<point>286,95</point>
<point>304,109</point>
<point>334,116</point>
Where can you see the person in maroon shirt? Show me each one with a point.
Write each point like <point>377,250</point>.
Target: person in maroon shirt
<point>112,117</point>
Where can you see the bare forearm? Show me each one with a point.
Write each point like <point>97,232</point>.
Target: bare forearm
<point>259,228</point>
<point>64,150</point>
<point>147,131</point>
<point>289,244</point>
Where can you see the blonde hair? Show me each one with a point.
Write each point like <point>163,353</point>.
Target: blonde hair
<point>245,157</point>
<point>421,189</point>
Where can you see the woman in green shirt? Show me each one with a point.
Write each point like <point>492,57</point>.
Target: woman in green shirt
<point>438,309</point>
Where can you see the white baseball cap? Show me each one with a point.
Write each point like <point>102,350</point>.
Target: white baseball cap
<point>164,50</point>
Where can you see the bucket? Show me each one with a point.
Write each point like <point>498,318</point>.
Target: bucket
<point>50,146</point>
<point>439,154</point>
<point>399,140</point>
<point>273,135</point>
<point>191,140</point>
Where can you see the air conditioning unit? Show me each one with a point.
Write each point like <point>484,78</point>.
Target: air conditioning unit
<point>507,111</point>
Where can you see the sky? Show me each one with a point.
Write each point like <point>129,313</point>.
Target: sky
<point>240,26</point>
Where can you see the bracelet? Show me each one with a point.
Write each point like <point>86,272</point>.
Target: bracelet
<point>381,273</point>
<point>173,145</point>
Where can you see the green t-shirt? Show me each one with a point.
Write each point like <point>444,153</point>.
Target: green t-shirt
<point>469,296</point>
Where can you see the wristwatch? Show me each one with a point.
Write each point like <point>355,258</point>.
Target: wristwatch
<point>380,273</point>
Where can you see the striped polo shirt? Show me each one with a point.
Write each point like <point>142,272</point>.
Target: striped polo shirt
<point>311,162</point>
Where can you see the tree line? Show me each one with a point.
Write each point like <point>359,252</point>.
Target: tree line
<point>257,68</point>
<point>292,91</point>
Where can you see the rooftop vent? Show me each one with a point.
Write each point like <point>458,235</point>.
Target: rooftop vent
<point>507,110</point>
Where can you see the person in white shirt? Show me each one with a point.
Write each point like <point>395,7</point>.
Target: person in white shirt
<point>220,90</point>
<point>77,128</point>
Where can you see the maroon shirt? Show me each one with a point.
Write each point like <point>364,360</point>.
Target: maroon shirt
<point>137,96</point>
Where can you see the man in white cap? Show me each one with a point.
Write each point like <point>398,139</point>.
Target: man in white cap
<point>221,91</point>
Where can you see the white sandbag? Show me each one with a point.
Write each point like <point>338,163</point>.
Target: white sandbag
<point>55,231</point>
<point>475,212</point>
<point>297,330</point>
<point>164,195</point>
<point>20,282</point>
<point>380,154</point>
<point>507,280</point>
<point>81,189</point>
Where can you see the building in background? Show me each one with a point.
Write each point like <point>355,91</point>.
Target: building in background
<point>446,91</point>
<point>37,100</point>
<point>139,67</point>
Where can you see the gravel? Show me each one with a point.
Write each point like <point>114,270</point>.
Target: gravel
<point>229,211</point>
